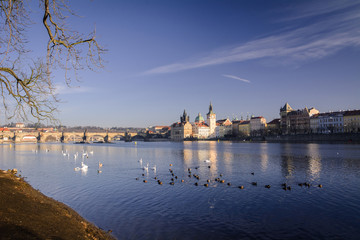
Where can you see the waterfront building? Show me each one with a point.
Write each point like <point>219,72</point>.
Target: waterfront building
<point>244,128</point>
<point>273,127</point>
<point>332,122</point>
<point>295,121</point>
<point>181,130</point>
<point>352,121</point>
<point>159,129</point>
<point>284,121</point>
<point>314,124</point>
<point>223,127</point>
<point>199,128</point>
<point>257,126</point>
<point>211,122</point>
<point>235,127</point>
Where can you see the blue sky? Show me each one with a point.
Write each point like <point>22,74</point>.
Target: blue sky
<point>246,57</point>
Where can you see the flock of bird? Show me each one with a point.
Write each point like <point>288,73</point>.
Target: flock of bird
<point>193,174</point>
<point>84,155</point>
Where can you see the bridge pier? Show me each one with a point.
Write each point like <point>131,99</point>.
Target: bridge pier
<point>41,138</point>
<point>107,139</point>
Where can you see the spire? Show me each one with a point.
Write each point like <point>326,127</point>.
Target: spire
<point>184,118</point>
<point>210,109</point>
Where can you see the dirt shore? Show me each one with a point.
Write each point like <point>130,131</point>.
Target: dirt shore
<point>25,213</point>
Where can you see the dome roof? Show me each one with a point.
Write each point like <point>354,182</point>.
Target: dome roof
<point>199,118</point>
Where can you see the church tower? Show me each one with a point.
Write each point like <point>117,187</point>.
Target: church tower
<point>211,121</point>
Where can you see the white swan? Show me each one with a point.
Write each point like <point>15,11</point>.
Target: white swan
<point>146,168</point>
<point>84,167</point>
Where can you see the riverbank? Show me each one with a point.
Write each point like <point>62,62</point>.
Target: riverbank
<point>25,213</point>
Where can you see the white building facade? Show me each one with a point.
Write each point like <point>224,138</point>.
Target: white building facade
<point>331,122</point>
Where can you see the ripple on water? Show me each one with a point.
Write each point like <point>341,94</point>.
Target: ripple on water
<point>136,210</point>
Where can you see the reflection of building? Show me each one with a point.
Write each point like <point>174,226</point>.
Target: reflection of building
<point>315,160</point>
<point>223,127</point>
<point>352,121</point>
<point>295,121</point>
<point>181,130</point>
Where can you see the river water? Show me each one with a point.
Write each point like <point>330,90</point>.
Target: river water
<point>117,198</point>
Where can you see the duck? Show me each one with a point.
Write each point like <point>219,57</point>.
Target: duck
<point>241,187</point>
<point>207,161</point>
<point>254,183</point>
<point>100,164</point>
<point>267,186</point>
<point>229,184</point>
<point>206,185</point>
<point>154,168</point>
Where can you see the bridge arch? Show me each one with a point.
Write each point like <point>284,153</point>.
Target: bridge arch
<point>95,138</point>
<point>73,138</point>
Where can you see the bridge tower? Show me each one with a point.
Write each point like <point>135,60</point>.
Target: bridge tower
<point>107,138</point>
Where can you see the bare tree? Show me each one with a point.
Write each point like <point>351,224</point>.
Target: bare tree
<point>26,85</point>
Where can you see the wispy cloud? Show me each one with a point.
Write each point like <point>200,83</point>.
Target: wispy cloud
<point>318,8</point>
<point>313,41</point>
<point>237,78</point>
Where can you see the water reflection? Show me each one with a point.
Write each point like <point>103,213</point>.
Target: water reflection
<point>137,210</point>
<point>301,158</point>
<point>314,161</point>
<point>264,156</point>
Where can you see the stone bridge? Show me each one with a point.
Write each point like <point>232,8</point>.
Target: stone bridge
<point>37,136</point>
